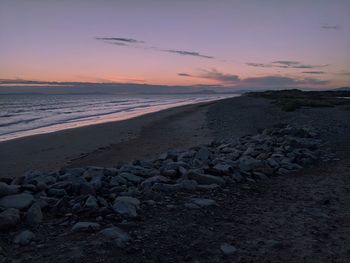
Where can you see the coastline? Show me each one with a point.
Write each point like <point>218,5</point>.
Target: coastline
<point>50,151</point>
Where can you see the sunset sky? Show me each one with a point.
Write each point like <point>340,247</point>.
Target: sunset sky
<point>183,42</point>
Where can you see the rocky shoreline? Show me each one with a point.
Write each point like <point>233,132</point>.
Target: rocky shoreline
<point>102,200</point>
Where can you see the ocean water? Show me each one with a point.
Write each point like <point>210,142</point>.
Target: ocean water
<point>25,115</point>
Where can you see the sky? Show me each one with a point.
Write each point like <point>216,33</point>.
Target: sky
<point>229,43</point>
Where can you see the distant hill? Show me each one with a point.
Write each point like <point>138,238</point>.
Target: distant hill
<point>342,89</point>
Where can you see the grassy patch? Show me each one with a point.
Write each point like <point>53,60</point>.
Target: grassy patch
<point>291,100</point>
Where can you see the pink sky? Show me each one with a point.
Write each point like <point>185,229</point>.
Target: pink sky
<point>231,43</point>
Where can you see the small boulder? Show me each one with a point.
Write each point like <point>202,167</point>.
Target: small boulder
<point>6,189</point>
<point>9,218</point>
<point>85,226</point>
<point>18,201</point>
<point>34,215</point>
<point>24,238</point>
<point>126,206</point>
<point>203,202</point>
<point>205,178</point>
<point>228,249</point>
<point>116,235</point>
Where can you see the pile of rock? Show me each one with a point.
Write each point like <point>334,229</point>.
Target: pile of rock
<point>104,192</point>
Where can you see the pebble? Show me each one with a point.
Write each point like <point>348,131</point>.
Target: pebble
<point>24,238</point>
<point>85,226</point>
<point>118,236</point>
<point>228,249</point>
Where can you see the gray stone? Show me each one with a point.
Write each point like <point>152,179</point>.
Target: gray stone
<point>91,203</point>
<point>34,215</point>
<point>136,202</point>
<point>188,184</point>
<point>283,171</point>
<point>273,163</point>
<point>126,206</point>
<point>131,177</point>
<point>192,206</point>
<point>85,226</point>
<point>203,154</point>
<point>203,202</point>
<point>24,238</point>
<point>169,173</point>
<point>9,218</point>
<point>118,236</point>
<point>205,178</point>
<point>18,201</point>
<point>56,192</point>
<point>6,189</point>
<point>152,180</point>
<point>228,249</point>
<point>223,169</point>
<point>247,163</point>
<point>166,187</point>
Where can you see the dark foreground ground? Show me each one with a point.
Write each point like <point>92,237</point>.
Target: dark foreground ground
<point>304,217</point>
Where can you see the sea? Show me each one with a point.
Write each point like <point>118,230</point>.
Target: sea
<point>24,115</point>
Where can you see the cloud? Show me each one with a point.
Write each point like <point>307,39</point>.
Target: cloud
<point>285,64</point>
<point>120,39</point>
<point>187,53</point>
<point>262,65</point>
<point>184,75</point>
<point>265,81</point>
<point>281,81</point>
<point>330,27</point>
<point>219,76</point>
<point>313,72</point>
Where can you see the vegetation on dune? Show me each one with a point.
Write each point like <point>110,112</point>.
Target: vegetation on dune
<point>291,100</point>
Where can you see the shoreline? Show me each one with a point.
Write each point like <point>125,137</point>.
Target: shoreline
<point>51,151</point>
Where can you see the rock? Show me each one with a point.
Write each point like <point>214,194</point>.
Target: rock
<point>283,171</point>
<point>18,201</point>
<point>152,180</point>
<point>126,206</point>
<point>9,218</point>
<point>273,163</point>
<point>205,178</point>
<point>116,235</point>
<point>34,215</point>
<point>56,192</point>
<point>91,203</point>
<point>131,177</point>
<point>24,238</point>
<point>166,187</point>
<point>247,163</point>
<point>136,202</point>
<point>203,154</point>
<point>171,173</point>
<point>85,226</point>
<point>28,187</point>
<point>228,249</point>
<point>261,176</point>
<point>222,169</point>
<point>315,212</point>
<point>85,189</point>
<point>192,206</point>
<point>6,189</point>
<point>202,202</point>
<point>188,184</point>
